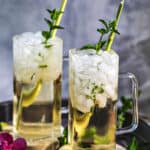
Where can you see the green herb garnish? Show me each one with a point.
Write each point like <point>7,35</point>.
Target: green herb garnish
<point>48,46</point>
<point>91,135</point>
<point>133,145</point>
<point>107,29</point>
<point>126,105</point>
<point>53,23</point>
<point>110,28</point>
<point>90,132</point>
<point>64,138</point>
<point>43,66</point>
<point>54,14</point>
<point>88,136</point>
<point>96,89</point>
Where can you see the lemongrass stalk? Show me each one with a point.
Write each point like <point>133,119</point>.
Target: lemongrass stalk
<point>112,34</point>
<point>27,98</point>
<point>62,8</point>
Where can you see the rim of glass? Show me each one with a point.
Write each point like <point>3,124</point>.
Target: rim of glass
<point>78,51</point>
<point>88,51</point>
<point>20,36</point>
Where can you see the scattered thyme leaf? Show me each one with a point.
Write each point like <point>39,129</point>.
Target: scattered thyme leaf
<point>32,76</point>
<point>95,90</point>
<point>48,46</point>
<point>43,66</point>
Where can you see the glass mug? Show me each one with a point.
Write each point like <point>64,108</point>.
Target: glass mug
<point>37,86</point>
<point>93,91</point>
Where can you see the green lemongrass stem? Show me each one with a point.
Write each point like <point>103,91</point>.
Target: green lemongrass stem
<point>62,8</point>
<point>112,34</point>
<point>19,113</point>
<point>32,94</point>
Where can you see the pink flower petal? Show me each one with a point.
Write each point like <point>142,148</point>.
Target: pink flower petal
<point>5,146</point>
<point>6,137</point>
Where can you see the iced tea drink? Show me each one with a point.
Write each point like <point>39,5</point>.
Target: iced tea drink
<point>93,83</point>
<point>37,85</point>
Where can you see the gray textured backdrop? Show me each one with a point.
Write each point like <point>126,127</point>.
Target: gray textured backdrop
<point>80,22</point>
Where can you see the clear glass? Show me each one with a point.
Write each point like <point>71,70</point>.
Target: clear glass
<point>37,86</point>
<point>134,95</point>
<point>93,90</point>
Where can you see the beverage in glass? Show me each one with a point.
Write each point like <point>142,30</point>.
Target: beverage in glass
<point>37,85</point>
<point>93,86</point>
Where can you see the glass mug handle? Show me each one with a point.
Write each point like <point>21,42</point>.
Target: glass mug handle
<point>134,123</point>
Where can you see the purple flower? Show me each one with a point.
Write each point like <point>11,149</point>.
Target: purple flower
<point>7,143</point>
<point>6,137</point>
<point>20,144</point>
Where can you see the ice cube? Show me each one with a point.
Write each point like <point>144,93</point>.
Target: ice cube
<point>83,104</point>
<point>101,100</point>
<point>30,53</point>
<point>111,91</point>
<point>100,69</point>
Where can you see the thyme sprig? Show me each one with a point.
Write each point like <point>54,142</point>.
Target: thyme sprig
<point>110,29</point>
<point>54,14</point>
<point>53,23</point>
